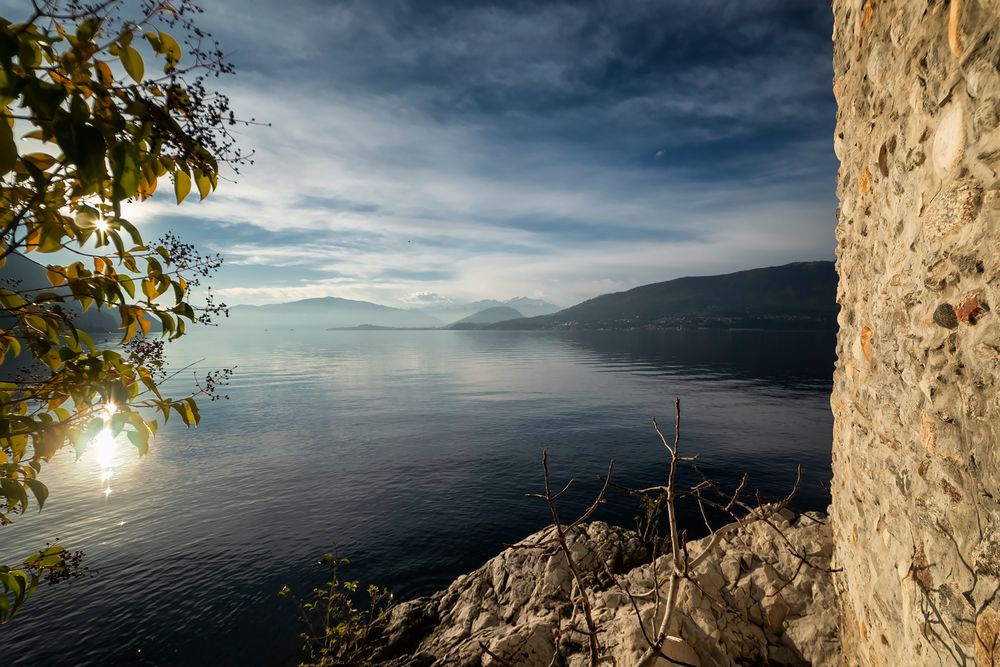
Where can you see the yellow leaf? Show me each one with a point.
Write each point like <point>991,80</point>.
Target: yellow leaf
<point>182,185</point>
<point>41,160</point>
<point>149,289</point>
<point>56,276</point>
<point>33,239</point>
<point>87,218</point>
<point>129,333</point>
<point>61,79</point>
<point>147,186</point>
<point>170,49</point>
<point>132,62</point>
<point>204,183</point>
<point>104,75</point>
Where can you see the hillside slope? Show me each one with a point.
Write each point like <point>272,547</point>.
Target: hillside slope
<point>488,316</point>
<point>798,295</point>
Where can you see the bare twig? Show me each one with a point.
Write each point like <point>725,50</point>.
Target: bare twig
<point>561,533</point>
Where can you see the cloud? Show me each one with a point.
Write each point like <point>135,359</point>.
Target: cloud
<point>426,299</point>
<point>485,150</point>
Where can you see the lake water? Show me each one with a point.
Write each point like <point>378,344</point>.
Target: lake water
<point>409,451</point>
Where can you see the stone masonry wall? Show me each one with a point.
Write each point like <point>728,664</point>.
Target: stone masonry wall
<point>916,400</point>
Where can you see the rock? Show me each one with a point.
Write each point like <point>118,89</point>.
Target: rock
<point>970,308</point>
<point>866,343</point>
<point>944,315</point>
<point>953,209</point>
<point>949,140</point>
<point>865,181</point>
<point>519,604</point>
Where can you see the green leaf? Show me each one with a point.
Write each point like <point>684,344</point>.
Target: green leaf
<point>132,62</point>
<point>8,149</point>
<point>127,283</point>
<point>44,98</point>
<point>85,147</point>
<point>166,323</point>
<point>140,440</point>
<point>116,239</point>
<point>85,338</point>
<point>40,491</point>
<point>185,309</point>
<point>11,300</point>
<point>125,169</point>
<point>88,28</point>
<point>13,491</point>
<point>132,230</point>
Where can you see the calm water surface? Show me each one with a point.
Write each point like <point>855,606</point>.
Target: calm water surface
<point>409,451</point>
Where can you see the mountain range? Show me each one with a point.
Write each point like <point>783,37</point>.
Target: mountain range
<point>453,312</point>
<point>331,312</point>
<point>493,315</point>
<point>798,295</point>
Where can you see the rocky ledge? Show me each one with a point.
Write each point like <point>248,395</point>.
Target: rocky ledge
<point>749,602</point>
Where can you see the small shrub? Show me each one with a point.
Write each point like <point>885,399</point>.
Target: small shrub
<point>337,632</point>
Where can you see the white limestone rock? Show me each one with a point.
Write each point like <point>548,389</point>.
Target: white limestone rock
<point>515,608</point>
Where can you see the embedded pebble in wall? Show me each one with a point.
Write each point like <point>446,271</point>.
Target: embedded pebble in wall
<point>953,208</point>
<point>945,316</point>
<point>865,182</point>
<point>970,308</point>
<point>949,140</point>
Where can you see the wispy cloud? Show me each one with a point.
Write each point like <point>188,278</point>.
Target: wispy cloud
<point>472,150</point>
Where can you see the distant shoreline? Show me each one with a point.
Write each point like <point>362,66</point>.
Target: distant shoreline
<point>815,328</point>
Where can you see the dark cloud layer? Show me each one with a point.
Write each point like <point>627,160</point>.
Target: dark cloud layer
<point>489,149</point>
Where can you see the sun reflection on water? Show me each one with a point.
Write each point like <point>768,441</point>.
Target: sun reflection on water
<point>105,448</point>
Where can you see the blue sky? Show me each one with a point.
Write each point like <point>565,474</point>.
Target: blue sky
<point>423,151</point>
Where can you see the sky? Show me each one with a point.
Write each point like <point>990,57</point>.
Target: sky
<point>426,151</point>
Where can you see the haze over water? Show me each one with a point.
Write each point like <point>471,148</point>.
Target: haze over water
<point>410,451</point>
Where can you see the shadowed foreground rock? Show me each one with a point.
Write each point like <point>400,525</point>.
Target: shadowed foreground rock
<point>519,604</point>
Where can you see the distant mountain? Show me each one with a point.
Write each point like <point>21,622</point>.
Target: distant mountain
<point>799,295</point>
<point>532,307</point>
<point>452,312</point>
<point>330,312</point>
<point>488,316</point>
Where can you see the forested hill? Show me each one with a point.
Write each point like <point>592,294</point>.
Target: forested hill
<point>488,316</point>
<point>800,295</point>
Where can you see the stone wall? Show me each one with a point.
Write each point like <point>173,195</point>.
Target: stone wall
<point>916,491</point>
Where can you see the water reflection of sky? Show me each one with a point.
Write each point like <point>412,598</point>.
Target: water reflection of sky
<point>410,450</point>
